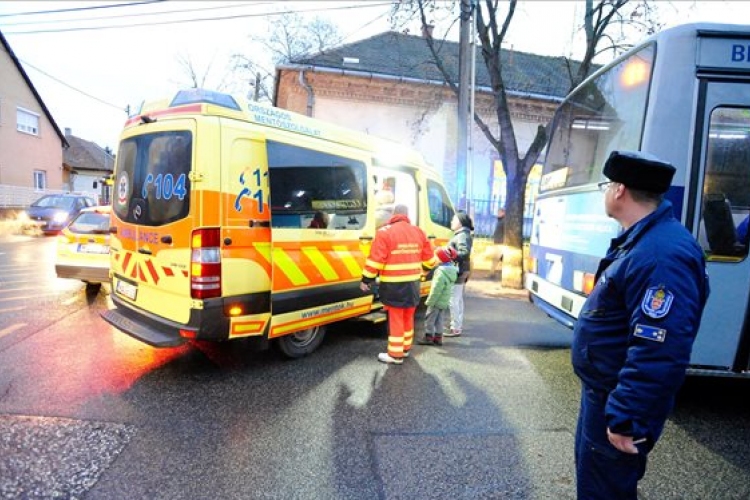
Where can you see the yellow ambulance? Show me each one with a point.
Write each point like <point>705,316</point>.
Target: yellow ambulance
<point>231,219</point>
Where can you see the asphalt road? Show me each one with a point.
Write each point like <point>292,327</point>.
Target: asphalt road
<point>87,412</point>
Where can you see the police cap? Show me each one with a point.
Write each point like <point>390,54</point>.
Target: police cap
<point>638,170</point>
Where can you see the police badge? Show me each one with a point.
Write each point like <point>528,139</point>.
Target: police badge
<point>656,302</point>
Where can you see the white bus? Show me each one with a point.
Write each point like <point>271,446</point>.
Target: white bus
<point>683,95</point>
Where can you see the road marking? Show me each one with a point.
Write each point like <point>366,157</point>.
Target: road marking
<point>11,329</point>
<point>18,298</point>
<point>12,309</point>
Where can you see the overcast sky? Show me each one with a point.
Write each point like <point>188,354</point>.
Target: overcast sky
<point>92,61</point>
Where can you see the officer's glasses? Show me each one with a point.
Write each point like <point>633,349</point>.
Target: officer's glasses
<point>603,186</point>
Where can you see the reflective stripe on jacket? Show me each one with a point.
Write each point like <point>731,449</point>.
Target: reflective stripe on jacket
<point>397,254</point>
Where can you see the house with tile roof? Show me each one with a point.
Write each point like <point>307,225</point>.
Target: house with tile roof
<point>389,85</point>
<point>86,166</point>
<point>31,143</point>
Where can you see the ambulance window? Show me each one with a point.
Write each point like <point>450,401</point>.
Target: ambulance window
<point>441,211</point>
<point>152,181</point>
<point>315,190</point>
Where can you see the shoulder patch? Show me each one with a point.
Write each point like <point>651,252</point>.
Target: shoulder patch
<point>650,333</point>
<point>656,302</point>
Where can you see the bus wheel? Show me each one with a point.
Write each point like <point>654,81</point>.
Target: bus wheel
<point>301,343</point>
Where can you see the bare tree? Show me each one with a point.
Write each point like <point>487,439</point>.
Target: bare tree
<point>492,27</point>
<point>289,37</point>
<point>192,73</point>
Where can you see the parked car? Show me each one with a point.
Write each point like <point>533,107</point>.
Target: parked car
<point>83,247</point>
<point>52,212</point>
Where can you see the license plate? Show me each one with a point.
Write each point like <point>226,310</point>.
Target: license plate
<point>126,289</point>
<point>93,248</point>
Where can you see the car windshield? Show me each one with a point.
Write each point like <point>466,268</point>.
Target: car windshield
<point>64,202</point>
<point>90,222</point>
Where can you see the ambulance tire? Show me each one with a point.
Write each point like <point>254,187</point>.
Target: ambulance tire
<point>301,343</point>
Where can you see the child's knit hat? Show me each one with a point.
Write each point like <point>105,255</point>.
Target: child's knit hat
<point>446,254</point>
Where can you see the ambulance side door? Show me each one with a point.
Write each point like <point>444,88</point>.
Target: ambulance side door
<point>246,216</point>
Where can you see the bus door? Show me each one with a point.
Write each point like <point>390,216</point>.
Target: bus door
<point>721,180</point>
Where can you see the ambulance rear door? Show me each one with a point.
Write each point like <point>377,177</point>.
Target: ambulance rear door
<point>154,203</point>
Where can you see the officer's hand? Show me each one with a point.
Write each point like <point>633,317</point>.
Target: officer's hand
<point>622,443</point>
<point>364,287</point>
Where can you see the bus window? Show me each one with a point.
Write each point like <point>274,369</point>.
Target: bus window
<point>604,114</point>
<point>723,232</point>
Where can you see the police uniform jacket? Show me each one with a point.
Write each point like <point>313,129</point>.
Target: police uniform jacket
<point>461,242</point>
<point>635,332</point>
<point>397,254</point>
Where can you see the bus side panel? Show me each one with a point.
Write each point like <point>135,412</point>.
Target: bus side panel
<point>721,326</point>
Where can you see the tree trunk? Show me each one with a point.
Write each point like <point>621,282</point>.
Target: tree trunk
<point>514,208</point>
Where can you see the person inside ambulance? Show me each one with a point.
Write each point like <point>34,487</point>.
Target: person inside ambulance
<point>634,335</point>
<point>319,220</point>
<point>384,200</point>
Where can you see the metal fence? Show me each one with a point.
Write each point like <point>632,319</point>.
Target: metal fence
<point>483,212</point>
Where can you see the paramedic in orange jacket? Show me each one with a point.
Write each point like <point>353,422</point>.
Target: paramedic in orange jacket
<point>397,254</point>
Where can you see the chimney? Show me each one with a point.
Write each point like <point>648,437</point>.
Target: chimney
<point>427,30</point>
<point>68,131</point>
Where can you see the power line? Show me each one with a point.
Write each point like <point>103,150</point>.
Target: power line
<point>220,18</point>
<point>119,108</point>
<point>75,9</point>
<point>141,14</point>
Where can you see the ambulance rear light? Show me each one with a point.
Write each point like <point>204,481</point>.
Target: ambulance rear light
<point>205,263</point>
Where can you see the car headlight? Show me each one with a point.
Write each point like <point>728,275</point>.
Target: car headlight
<point>60,217</point>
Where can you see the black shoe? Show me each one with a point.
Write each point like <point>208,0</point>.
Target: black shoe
<point>437,340</point>
<point>427,340</point>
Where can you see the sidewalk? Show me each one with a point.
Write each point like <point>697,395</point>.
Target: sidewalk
<point>480,283</point>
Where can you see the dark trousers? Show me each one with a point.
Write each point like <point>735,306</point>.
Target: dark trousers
<point>602,471</point>
<point>434,321</point>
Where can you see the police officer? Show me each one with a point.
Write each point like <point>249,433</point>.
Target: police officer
<point>634,335</point>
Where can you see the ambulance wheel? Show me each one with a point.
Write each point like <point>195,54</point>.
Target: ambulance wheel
<point>301,343</point>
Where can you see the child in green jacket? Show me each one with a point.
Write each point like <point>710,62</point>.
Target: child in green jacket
<point>439,299</point>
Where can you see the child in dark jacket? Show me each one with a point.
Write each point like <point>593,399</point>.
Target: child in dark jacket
<point>439,299</point>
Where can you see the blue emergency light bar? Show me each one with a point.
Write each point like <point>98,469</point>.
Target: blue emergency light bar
<point>199,96</point>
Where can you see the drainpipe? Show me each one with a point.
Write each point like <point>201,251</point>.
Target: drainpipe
<point>310,95</point>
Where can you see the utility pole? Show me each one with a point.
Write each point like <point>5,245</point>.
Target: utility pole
<point>464,80</point>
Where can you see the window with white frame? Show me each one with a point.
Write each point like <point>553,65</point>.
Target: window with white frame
<point>27,121</point>
<point>40,180</point>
